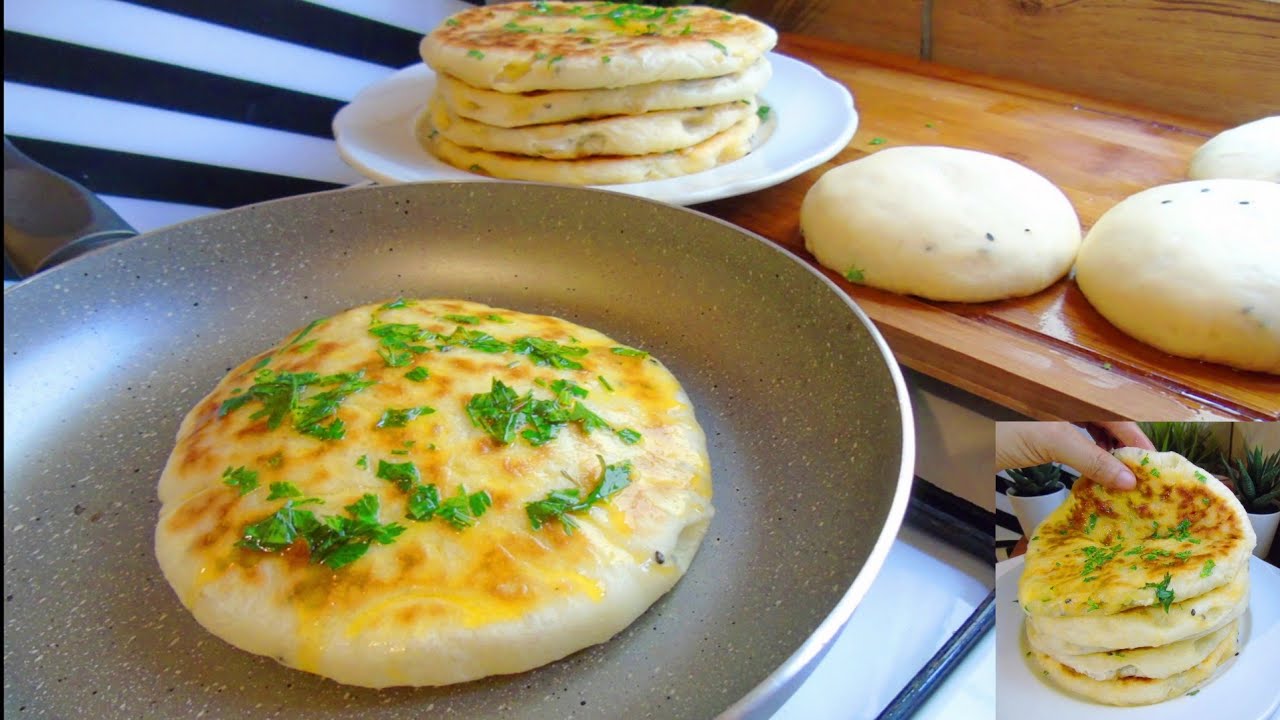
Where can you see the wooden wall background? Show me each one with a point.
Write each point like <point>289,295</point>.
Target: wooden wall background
<point>1216,60</point>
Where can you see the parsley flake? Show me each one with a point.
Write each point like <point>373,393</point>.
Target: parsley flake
<point>549,353</point>
<point>629,352</point>
<point>399,417</point>
<point>629,436</point>
<point>475,54</point>
<point>719,46</point>
<point>336,541</point>
<point>418,374</point>
<point>405,475</point>
<point>1207,570</point>
<point>854,275</point>
<point>282,490</point>
<point>558,504</point>
<point>241,478</point>
<point>1164,595</point>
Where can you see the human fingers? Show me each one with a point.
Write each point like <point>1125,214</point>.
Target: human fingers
<point>1128,433</point>
<point>1093,461</point>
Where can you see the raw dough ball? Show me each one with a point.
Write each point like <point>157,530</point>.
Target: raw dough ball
<point>1248,152</point>
<point>1192,268</point>
<point>942,223</point>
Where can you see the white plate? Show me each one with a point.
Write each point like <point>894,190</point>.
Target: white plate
<point>1245,687</point>
<point>811,118</point>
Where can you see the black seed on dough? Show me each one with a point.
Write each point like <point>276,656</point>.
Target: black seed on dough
<point>1165,202</point>
<point>991,238</point>
<point>659,558</point>
<point>1244,202</point>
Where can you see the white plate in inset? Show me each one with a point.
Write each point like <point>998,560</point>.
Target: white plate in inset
<point>1244,688</point>
<point>811,118</point>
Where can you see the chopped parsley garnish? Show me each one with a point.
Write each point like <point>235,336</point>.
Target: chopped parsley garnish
<point>418,374</point>
<point>762,112</point>
<point>395,304</point>
<point>604,383</point>
<point>629,436</point>
<point>1207,570</point>
<point>241,478</point>
<point>854,275</point>
<point>399,417</point>
<point>463,319</point>
<point>1145,459</point>
<point>558,504</point>
<point>719,46</point>
<point>1200,476</point>
<point>503,413</point>
<point>261,363</point>
<point>336,541</point>
<point>462,510</point>
<point>1164,595</point>
<point>363,462</point>
<point>1093,521</point>
<point>424,500</point>
<point>877,141</point>
<point>474,339</point>
<point>497,319</point>
<point>475,54</point>
<point>451,22</point>
<point>404,475</point>
<point>549,353</point>
<point>1155,472</point>
<point>282,490</point>
<point>629,352</point>
<point>1185,555</point>
<point>281,395</point>
<point>1136,550</point>
<point>1096,557</point>
<point>400,341</point>
<point>1093,605</point>
<point>305,331</point>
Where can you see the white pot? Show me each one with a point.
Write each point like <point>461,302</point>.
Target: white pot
<point>1264,526</point>
<point>1032,511</point>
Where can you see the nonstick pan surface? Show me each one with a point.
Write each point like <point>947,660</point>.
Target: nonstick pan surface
<point>805,412</point>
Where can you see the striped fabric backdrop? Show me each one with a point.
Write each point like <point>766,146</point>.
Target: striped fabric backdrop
<point>170,109</point>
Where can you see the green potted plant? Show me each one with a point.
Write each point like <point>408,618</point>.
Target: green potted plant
<point>1034,492</point>
<point>1194,441</point>
<point>1255,479</point>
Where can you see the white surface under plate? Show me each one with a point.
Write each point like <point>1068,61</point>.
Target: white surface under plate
<point>811,118</point>
<point>1244,688</point>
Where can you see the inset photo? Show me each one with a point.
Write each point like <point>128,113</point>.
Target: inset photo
<point>1137,571</point>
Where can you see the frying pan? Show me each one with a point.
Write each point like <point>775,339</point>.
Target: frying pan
<point>808,423</point>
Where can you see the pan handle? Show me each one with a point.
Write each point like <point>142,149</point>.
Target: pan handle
<point>49,219</point>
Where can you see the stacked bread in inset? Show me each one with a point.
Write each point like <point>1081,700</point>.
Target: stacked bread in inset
<point>593,93</point>
<point>1134,597</point>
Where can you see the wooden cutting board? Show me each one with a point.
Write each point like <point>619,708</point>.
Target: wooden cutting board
<point>1049,356</point>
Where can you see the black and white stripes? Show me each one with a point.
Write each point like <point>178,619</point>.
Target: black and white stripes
<point>172,108</point>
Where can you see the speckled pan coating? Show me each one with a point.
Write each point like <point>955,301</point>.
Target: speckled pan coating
<point>806,416</point>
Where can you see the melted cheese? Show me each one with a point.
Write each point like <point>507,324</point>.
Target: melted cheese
<point>438,604</point>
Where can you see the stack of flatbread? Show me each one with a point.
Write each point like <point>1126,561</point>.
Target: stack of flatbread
<point>1134,597</point>
<point>593,93</point>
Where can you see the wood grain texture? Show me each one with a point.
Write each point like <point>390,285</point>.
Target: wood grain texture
<point>1049,356</point>
<point>1213,59</point>
<point>890,26</point>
